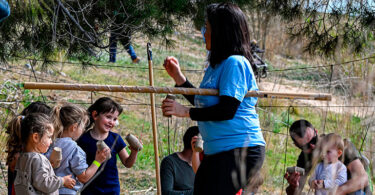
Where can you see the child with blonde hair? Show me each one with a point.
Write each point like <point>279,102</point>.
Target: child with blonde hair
<point>69,122</point>
<point>35,174</point>
<point>331,172</point>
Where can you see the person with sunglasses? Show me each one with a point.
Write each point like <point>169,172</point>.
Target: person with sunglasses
<point>306,137</point>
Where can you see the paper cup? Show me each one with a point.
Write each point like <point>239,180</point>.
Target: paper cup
<point>56,157</point>
<point>134,142</point>
<point>172,97</point>
<point>100,145</point>
<point>199,144</point>
<point>294,169</point>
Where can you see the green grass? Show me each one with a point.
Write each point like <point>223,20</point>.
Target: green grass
<point>137,120</point>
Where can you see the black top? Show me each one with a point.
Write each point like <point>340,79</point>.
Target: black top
<point>177,176</point>
<point>224,110</point>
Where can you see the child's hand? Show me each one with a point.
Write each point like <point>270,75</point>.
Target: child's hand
<point>133,149</point>
<point>69,182</point>
<point>102,155</point>
<point>136,150</point>
<point>319,184</point>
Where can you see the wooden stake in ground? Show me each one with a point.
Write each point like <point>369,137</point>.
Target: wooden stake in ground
<point>153,114</point>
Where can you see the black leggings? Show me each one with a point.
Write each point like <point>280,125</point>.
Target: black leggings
<point>227,172</point>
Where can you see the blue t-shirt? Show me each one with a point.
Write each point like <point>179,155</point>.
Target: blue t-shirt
<point>232,77</point>
<point>108,181</point>
<point>73,162</point>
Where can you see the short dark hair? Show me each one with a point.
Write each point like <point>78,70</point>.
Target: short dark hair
<point>299,127</point>
<point>103,105</point>
<point>190,133</point>
<point>229,32</point>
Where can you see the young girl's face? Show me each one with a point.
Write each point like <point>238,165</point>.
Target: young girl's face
<point>46,140</point>
<point>104,122</point>
<point>332,155</point>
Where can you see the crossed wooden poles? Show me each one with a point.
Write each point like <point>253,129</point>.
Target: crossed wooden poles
<point>152,90</point>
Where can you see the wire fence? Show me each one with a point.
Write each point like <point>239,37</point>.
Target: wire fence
<point>172,129</point>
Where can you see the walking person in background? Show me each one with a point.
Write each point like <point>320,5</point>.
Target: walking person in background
<point>234,147</point>
<point>124,37</point>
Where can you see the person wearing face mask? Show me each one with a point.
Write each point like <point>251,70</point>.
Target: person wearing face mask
<point>306,137</point>
<point>234,147</point>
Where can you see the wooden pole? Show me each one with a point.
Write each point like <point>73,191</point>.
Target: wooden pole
<point>154,126</point>
<point>171,90</point>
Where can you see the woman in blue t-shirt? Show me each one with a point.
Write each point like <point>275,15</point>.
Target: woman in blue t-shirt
<point>233,141</point>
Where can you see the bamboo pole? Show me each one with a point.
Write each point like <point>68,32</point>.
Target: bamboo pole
<point>153,114</point>
<point>171,90</point>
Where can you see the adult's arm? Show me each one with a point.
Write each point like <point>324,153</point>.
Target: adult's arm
<point>187,84</point>
<point>224,110</point>
<point>195,161</point>
<point>358,180</point>
<point>295,180</point>
<point>167,179</point>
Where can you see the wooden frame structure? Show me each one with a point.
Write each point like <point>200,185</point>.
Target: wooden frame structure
<point>166,90</point>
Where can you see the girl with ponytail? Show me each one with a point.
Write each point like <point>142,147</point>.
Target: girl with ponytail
<point>14,138</point>
<point>69,121</point>
<point>34,172</point>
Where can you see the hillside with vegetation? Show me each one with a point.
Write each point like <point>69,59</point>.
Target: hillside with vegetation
<point>349,77</point>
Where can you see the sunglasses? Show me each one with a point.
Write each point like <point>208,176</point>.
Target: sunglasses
<point>313,141</point>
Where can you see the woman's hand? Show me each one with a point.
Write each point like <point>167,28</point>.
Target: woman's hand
<point>172,67</point>
<point>171,107</point>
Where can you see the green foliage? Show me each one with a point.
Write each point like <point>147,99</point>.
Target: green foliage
<point>38,28</point>
<point>328,26</point>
